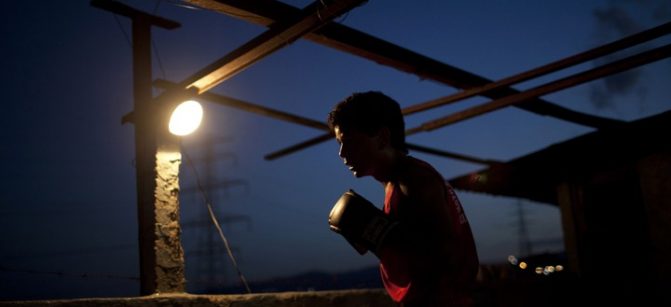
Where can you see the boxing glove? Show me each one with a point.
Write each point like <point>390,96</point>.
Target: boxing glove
<point>362,224</point>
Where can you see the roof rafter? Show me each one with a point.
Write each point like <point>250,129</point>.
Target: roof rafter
<point>617,45</point>
<point>608,69</point>
<point>356,42</point>
<point>296,119</point>
<point>281,34</point>
<point>642,58</point>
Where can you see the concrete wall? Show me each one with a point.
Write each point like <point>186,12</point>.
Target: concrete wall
<point>617,229</point>
<point>655,176</point>
<point>343,298</point>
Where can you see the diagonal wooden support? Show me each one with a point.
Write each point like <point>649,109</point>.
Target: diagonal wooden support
<point>310,19</point>
<point>249,107</point>
<point>582,57</point>
<point>355,42</point>
<point>296,119</point>
<point>573,60</point>
<point>642,58</point>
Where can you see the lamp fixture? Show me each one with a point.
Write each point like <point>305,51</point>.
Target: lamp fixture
<point>186,118</point>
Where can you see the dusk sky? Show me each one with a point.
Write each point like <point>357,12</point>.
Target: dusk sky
<point>68,199</point>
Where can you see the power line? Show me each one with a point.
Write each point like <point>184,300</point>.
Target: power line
<point>153,42</point>
<point>79,252</point>
<point>216,222</point>
<point>125,34</point>
<point>68,274</point>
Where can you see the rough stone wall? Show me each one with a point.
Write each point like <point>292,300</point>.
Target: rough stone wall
<point>169,253</point>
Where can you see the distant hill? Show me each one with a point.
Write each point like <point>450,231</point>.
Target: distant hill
<point>369,277</point>
<point>366,278</point>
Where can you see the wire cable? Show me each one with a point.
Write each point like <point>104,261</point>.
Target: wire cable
<point>216,222</point>
<point>191,165</point>
<point>125,34</point>
<point>153,43</point>
<point>67,274</point>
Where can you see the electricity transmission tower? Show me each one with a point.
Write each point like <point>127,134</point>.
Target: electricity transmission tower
<point>524,243</point>
<point>210,261</point>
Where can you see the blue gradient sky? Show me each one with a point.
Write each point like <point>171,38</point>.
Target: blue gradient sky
<point>67,198</point>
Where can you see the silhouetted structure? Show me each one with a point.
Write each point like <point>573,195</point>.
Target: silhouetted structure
<point>613,187</point>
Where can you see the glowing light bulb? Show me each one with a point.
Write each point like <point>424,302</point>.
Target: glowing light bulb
<point>186,118</point>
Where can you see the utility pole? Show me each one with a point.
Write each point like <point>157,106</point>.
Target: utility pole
<point>157,160</point>
<point>157,154</point>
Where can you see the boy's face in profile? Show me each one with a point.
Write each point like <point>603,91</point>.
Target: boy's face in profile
<point>358,151</point>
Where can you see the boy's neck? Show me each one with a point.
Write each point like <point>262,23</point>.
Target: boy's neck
<point>389,167</point>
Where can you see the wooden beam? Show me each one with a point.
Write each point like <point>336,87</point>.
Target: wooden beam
<point>132,13</point>
<point>249,107</point>
<point>575,59</point>
<point>300,146</point>
<point>551,87</point>
<point>281,34</point>
<point>157,160</point>
<point>352,41</point>
<point>527,75</point>
<point>571,206</point>
<point>296,119</point>
<point>358,43</point>
<point>452,155</point>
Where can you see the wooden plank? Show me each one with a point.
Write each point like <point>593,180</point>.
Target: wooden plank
<point>250,107</point>
<point>280,35</point>
<point>300,146</point>
<point>452,155</point>
<point>157,159</point>
<point>575,59</point>
<point>355,42</point>
<point>296,119</point>
<point>361,44</point>
<point>551,87</point>
<point>125,10</point>
<point>628,63</point>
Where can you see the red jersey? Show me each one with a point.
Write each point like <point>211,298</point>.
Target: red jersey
<point>435,267</point>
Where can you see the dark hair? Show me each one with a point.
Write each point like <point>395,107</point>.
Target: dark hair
<point>368,112</point>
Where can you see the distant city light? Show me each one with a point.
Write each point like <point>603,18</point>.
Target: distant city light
<point>545,270</point>
<point>512,260</point>
<point>186,118</point>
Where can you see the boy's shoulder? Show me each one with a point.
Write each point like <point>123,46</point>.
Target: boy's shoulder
<point>418,172</point>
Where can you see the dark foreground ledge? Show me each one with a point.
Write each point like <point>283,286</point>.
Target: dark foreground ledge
<point>359,297</point>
